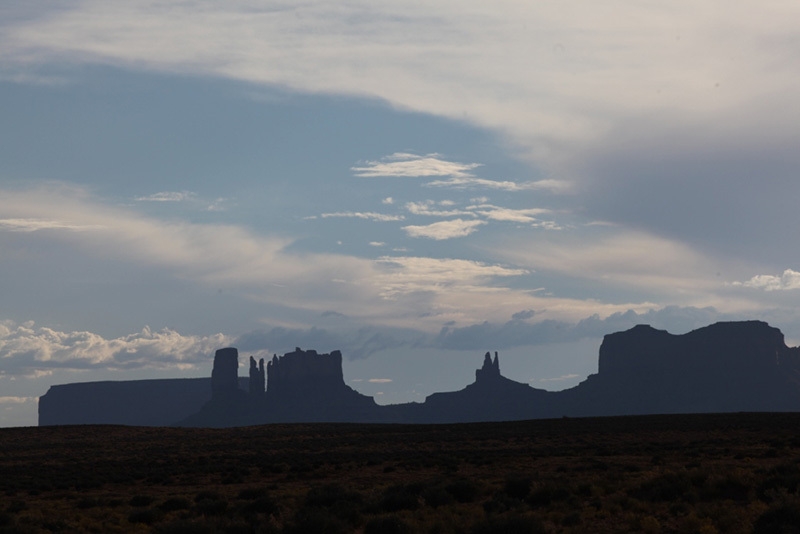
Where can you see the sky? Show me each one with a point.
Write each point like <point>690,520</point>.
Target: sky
<point>412,183</point>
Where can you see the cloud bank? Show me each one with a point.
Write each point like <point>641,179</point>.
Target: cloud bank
<point>788,280</point>
<point>28,350</point>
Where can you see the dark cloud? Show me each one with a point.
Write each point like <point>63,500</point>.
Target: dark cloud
<point>517,333</point>
<point>523,315</point>
<point>726,192</point>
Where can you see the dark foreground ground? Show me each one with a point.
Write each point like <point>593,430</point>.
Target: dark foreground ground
<point>696,473</point>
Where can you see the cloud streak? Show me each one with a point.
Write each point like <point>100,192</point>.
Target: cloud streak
<point>405,165</point>
<point>167,196</point>
<point>369,216</point>
<point>442,230</point>
<point>473,182</point>
<point>34,225</point>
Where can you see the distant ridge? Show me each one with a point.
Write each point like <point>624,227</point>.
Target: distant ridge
<point>724,367</point>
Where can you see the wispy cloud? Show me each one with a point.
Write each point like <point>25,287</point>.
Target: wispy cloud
<point>428,208</point>
<point>405,274</point>
<point>444,229</point>
<point>33,225</point>
<point>370,216</point>
<point>629,260</point>
<point>790,279</point>
<point>457,175</point>
<point>379,380</point>
<point>473,182</point>
<point>168,196</point>
<point>497,213</point>
<point>267,269</point>
<point>407,165</point>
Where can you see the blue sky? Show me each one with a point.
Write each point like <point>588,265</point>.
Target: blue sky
<point>411,183</point>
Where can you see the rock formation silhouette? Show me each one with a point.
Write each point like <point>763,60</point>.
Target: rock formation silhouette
<point>724,367</point>
<point>229,404</point>
<point>224,375</point>
<point>257,383</point>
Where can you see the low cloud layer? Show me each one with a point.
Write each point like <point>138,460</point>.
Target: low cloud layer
<point>28,350</point>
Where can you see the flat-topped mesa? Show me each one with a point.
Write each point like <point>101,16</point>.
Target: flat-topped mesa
<point>224,376</point>
<point>724,367</point>
<point>304,371</point>
<point>744,349</point>
<point>490,369</point>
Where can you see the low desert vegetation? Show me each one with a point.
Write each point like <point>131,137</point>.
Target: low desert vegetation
<point>691,473</point>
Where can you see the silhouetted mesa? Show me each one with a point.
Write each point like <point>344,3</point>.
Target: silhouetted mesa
<point>161,402</point>
<point>725,367</point>
<point>307,386</point>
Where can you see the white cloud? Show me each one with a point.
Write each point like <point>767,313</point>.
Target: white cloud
<point>380,380</point>
<point>469,292</point>
<point>547,225</point>
<point>497,213</point>
<point>613,259</point>
<point>402,164</point>
<point>26,349</point>
<point>406,274</point>
<point>444,229</point>
<point>464,182</point>
<point>388,200</point>
<point>33,225</point>
<point>788,280</point>
<point>377,244</point>
<point>370,216</point>
<point>428,208</point>
<point>167,196</point>
<point>397,292</point>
